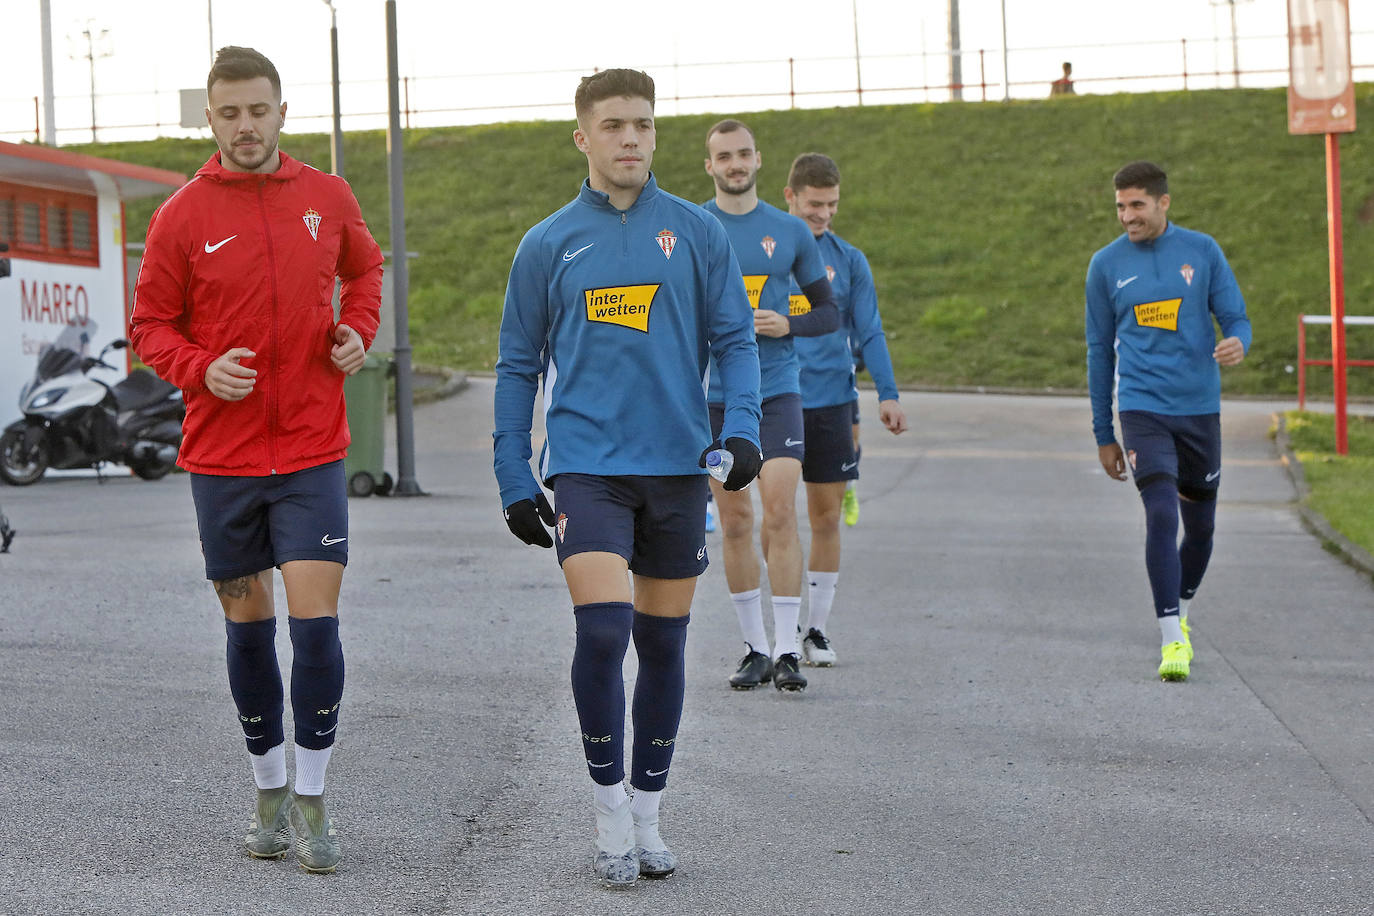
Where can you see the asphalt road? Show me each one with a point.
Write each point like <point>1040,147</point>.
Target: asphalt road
<point>993,740</point>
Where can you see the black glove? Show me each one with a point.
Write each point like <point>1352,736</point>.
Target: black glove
<point>524,520</point>
<point>748,459</point>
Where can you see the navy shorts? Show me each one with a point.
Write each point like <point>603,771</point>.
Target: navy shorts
<point>658,524</point>
<point>1186,449</point>
<point>829,445</point>
<point>248,524</point>
<point>781,429</point>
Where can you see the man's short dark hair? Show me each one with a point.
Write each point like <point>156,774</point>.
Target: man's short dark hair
<point>813,170</point>
<point>234,64</point>
<point>610,84</point>
<point>728,126</point>
<point>1147,176</point>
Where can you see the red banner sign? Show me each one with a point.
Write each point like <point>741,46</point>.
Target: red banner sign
<point>1321,92</point>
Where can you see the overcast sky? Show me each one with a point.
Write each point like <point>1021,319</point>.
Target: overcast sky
<point>164,45</point>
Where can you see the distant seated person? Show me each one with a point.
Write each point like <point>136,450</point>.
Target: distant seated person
<point>1063,85</point>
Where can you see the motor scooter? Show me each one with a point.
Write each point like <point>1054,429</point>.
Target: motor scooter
<point>72,419</point>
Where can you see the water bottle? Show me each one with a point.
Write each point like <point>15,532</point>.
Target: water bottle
<point>719,461</point>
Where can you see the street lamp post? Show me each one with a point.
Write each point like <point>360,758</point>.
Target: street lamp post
<point>336,154</point>
<point>91,55</point>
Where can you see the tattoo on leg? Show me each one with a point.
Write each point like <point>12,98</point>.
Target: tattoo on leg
<point>234,588</point>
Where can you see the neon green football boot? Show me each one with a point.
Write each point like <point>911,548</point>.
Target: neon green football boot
<point>851,508</point>
<point>1173,665</point>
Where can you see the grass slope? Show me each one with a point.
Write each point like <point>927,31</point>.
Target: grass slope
<point>978,218</point>
<point>1342,485</point>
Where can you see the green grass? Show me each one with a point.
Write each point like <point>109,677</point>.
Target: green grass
<point>1342,485</point>
<point>978,218</point>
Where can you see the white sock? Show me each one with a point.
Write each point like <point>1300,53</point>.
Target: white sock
<point>310,767</point>
<point>614,824</point>
<point>749,610</point>
<point>1170,630</point>
<point>609,797</point>
<point>820,596</point>
<point>644,811</point>
<point>269,770</point>
<point>1183,607</point>
<point>786,613</point>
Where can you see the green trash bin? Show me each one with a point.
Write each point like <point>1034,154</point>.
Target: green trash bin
<point>365,395</point>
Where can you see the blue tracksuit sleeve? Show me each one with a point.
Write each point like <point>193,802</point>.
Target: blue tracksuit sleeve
<point>1100,328</point>
<point>1225,300</point>
<point>868,326</point>
<point>523,339</point>
<point>733,344</point>
<point>824,316</point>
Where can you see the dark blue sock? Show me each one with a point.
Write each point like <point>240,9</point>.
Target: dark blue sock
<point>661,643</point>
<point>317,679</point>
<point>1199,521</point>
<point>598,685</point>
<point>1161,543</point>
<point>255,682</point>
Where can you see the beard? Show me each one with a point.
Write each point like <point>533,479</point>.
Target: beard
<point>722,183</point>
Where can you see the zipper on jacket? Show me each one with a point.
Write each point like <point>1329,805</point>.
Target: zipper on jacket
<point>273,404</point>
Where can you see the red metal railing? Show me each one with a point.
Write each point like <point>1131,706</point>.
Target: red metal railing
<point>1304,362</point>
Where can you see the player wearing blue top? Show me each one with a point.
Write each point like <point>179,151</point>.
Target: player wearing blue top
<point>1153,296</point>
<point>617,300</point>
<point>829,395</point>
<point>773,247</point>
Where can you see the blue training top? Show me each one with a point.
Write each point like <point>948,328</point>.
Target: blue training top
<point>827,362</point>
<point>620,312</point>
<point>1149,316</point>
<point>772,246</point>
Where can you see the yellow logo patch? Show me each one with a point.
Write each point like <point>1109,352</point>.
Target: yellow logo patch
<point>798,304</point>
<point>627,306</point>
<point>753,286</point>
<point>1162,314</point>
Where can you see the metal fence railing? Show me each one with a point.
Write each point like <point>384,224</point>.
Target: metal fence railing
<point>690,88</point>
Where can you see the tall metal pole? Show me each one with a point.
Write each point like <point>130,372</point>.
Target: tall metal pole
<point>1235,45</point>
<point>49,115</point>
<point>90,56</point>
<point>406,484</point>
<point>336,142</point>
<point>1337,262</point>
<point>956,69</point>
<point>210,27</point>
<point>858,70</point>
<point>1006,74</point>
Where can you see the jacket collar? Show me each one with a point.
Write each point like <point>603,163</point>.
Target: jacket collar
<point>214,168</point>
<point>602,200</point>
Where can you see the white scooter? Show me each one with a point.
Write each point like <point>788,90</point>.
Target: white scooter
<point>74,420</point>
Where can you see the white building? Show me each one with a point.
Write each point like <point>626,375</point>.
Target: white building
<point>62,215</point>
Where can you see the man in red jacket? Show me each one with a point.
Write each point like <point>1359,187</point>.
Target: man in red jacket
<point>234,305</point>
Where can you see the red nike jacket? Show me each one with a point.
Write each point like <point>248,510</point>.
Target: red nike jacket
<point>238,259</point>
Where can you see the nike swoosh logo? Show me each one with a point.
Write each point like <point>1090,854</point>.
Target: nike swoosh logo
<point>569,255</point>
<point>655,772</point>
<point>211,249</point>
<point>599,765</point>
<point>1120,284</point>
<point>850,466</point>
<point>791,442</point>
<point>1212,476</point>
<point>326,731</point>
<point>327,540</point>
<point>701,554</point>
<point>255,736</point>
